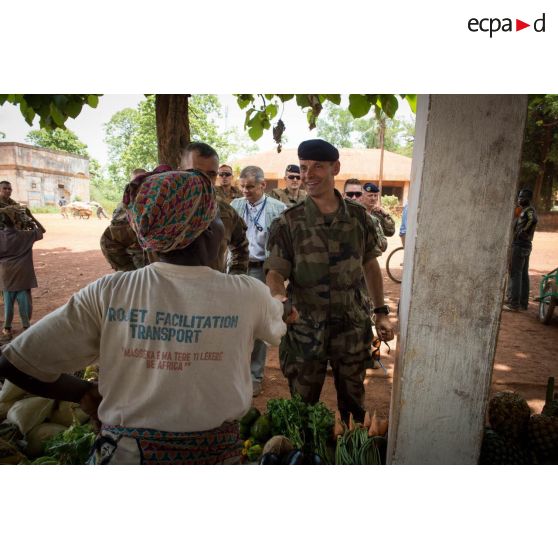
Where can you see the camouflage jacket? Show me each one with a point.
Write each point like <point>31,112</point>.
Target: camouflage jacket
<point>234,240</point>
<point>232,194</point>
<point>286,198</point>
<point>323,264</point>
<point>17,215</point>
<point>524,227</point>
<point>120,245</point>
<point>7,203</point>
<point>386,221</point>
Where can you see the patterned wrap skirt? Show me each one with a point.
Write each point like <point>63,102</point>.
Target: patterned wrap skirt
<point>117,445</point>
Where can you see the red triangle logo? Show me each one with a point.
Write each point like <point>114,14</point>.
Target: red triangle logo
<point>519,25</point>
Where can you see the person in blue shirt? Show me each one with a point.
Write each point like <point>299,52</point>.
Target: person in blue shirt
<point>403,226</point>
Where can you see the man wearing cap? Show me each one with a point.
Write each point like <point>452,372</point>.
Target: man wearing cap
<point>371,200</point>
<point>292,194</point>
<point>522,244</point>
<point>323,247</point>
<point>352,189</point>
<point>258,211</point>
<point>226,190</point>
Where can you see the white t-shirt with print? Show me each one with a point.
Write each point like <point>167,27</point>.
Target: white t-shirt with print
<point>173,344</point>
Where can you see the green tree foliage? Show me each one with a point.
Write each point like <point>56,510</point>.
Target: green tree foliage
<point>399,134</point>
<point>53,110</point>
<point>539,165</point>
<point>131,135</point>
<point>263,109</point>
<point>339,127</point>
<point>59,139</point>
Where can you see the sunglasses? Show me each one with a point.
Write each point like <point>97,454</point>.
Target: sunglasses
<point>353,194</point>
<point>224,174</point>
<point>293,177</point>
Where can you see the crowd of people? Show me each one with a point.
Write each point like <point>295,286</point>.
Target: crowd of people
<point>207,275</point>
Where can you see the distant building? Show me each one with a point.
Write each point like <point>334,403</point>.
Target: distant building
<point>41,176</point>
<point>363,164</point>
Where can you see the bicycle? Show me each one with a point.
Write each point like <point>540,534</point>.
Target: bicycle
<point>394,264</point>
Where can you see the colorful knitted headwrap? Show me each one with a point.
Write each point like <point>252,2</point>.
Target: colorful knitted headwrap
<point>169,210</point>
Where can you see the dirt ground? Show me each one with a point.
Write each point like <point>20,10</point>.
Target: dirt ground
<point>69,258</point>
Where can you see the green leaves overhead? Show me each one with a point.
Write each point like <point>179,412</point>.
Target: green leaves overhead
<point>389,104</point>
<point>263,108</point>
<point>412,100</point>
<point>359,105</point>
<point>93,100</point>
<point>53,110</point>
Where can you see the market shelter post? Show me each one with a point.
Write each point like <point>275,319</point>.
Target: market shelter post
<point>463,185</point>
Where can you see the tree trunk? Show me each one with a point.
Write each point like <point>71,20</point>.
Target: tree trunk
<point>173,127</point>
<point>382,145</point>
<point>548,182</point>
<point>537,190</point>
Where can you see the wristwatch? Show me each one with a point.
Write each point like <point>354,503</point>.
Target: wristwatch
<point>382,310</point>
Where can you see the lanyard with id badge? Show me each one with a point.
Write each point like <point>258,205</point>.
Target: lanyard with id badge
<point>256,221</point>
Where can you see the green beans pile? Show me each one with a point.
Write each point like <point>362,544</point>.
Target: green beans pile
<point>355,447</point>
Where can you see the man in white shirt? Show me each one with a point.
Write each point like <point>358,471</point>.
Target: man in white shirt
<point>258,211</point>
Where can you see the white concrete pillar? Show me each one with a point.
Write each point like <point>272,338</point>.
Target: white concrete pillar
<point>465,171</point>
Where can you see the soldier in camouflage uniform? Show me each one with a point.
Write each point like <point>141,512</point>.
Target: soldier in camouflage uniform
<point>120,245</point>
<point>15,214</point>
<point>292,194</point>
<point>322,247</point>
<point>5,193</point>
<point>226,190</point>
<point>352,189</point>
<point>234,242</point>
<point>371,200</point>
<point>203,157</point>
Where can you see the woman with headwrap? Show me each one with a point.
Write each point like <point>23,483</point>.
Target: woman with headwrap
<point>173,339</point>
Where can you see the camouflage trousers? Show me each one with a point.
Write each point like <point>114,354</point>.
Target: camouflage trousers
<point>306,377</point>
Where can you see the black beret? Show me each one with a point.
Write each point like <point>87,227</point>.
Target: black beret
<point>370,187</point>
<point>293,168</point>
<point>317,150</point>
<point>526,194</point>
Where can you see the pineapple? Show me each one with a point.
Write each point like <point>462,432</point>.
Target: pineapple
<point>550,408</point>
<point>543,438</point>
<point>498,450</point>
<point>508,415</point>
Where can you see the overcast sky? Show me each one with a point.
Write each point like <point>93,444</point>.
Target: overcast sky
<point>89,124</point>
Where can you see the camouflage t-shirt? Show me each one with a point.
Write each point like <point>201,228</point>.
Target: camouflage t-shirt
<point>386,221</point>
<point>285,197</point>
<point>229,195</point>
<point>234,242</point>
<point>120,245</point>
<point>324,265</point>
